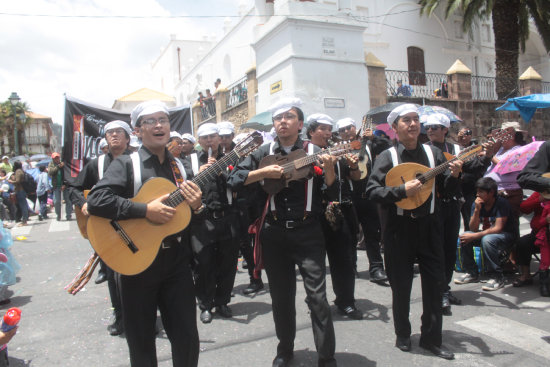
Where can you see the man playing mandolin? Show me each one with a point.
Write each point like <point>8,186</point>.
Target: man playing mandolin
<point>413,234</point>
<point>291,234</point>
<point>167,283</point>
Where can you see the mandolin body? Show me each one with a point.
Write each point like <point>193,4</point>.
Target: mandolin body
<point>405,172</point>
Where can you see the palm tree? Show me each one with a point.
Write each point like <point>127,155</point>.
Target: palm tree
<point>6,124</point>
<point>510,29</point>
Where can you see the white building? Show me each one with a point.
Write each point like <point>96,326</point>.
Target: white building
<point>315,50</point>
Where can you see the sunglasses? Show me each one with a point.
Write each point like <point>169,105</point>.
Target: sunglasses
<point>434,127</point>
<point>344,129</point>
<point>468,132</point>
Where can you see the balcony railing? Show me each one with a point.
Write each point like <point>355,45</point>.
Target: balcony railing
<point>37,140</point>
<point>415,84</point>
<point>545,87</point>
<point>237,93</point>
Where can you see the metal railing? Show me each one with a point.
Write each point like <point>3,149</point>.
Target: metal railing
<point>208,108</point>
<point>484,88</point>
<point>545,87</point>
<point>37,140</point>
<point>416,84</point>
<point>237,93</point>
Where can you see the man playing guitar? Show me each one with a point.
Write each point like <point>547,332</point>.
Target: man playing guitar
<point>292,235</point>
<point>167,283</point>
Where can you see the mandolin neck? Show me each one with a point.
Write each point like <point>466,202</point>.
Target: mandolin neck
<point>310,159</point>
<point>464,156</point>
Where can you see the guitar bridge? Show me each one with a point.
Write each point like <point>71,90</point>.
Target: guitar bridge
<point>118,229</point>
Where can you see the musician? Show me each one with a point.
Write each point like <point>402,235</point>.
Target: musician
<point>175,144</point>
<point>117,136</point>
<point>339,222</point>
<point>213,239</point>
<point>188,146</point>
<point>413,234</point>
<point>167,284</point>
<point>291,234</point>
<point>531,178</point>
<point>103,146</point>
<point>367,211</point>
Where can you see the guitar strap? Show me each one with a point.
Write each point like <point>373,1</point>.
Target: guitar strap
<point>308,187</point>
<point>457,149</point>
<point>178,171</point>
<point>100,165</point>
<point>431,160</point>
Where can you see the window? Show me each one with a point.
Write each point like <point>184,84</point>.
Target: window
<point>415,58</point>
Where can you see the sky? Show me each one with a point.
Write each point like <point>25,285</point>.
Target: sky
<point>90,49</point>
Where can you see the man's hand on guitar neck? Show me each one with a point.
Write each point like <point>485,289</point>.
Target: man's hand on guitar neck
<point>192,194</point>
<point>159,213</point>
<point>327,162</point>
<point>455,168</point>
<point>84,209</point>
<point>368,134</point>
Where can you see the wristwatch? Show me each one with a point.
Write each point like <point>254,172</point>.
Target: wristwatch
<point>200,209</point>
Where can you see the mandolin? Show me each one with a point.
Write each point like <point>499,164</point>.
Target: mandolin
<point>129,246</point>
<point>298,164</point>
<point>405,172</point>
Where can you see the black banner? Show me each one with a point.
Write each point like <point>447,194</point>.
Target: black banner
<point>83,129</point>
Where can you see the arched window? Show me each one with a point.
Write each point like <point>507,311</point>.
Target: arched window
<point>415,58</point>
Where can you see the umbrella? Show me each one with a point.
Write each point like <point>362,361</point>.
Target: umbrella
<point>425,111</point>
<point>44,162</point>
<point>261,121</point>
<point>379,114</point>
<point>38,157</point>
<point>517,159</point>
<point>386,128</point>
<point>526,105</point>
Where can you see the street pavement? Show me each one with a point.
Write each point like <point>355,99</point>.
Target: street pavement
<point>508,327</point>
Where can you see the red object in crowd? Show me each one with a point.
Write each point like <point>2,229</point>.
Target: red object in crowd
<point>11,319</point>
<point>318,170</point>
<point>230,167</point>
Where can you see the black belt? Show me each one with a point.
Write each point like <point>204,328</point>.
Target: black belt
<point>289,224</point>
<point>217,214</point>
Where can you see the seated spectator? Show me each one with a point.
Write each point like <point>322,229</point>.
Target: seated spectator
<point>533,242</point>
<point>404,90</point>
<point>498,233</point>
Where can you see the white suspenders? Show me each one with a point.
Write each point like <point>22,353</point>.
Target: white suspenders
<point>431,160</point>
<point>100,165</point>
<point>457,149</point>
<point>195,163</point>
<point>136,165</point>
<point>309,182</point>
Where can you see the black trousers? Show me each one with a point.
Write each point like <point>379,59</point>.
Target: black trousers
<point>216,254</point>
<point>450,214</point>
<point>407,240</point>
<point>283,249</point>
<point>339,246</point>
<point>526,248</point>
<point>167,285</point>
<point>113,291</point>
<point>367,212</point>
<point>243,238</point>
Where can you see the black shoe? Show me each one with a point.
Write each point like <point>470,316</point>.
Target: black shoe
<point>69,218</point>
<point>446,305</point>
<point>58,218</point>
<point>454,300</point>
<point>403,343</point>
<point>378,276</point>
<point>351,312</point>
<point>253,287</point>
<point>224,311</point>
<point>40,218</point>
<point>101,277</point>
<point>282,360</point>
<point>116,328</point>
<point>440,352</point>
<point>206,317</point>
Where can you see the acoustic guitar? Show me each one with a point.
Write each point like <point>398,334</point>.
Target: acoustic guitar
<point>81,219</point>
<point>129,246</point>
<point>298,164</point>
<point>406,172</point>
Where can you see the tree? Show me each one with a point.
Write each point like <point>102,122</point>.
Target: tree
<point>6,124</point>
<point>510,29</point>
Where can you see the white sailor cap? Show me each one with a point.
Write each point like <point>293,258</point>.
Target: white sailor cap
<point>147,108</point>
<point>134,141</point>
<point>438,119</point>
<point>175,134</point>
<point>321,118</point>
<point>189,137</point>
<point>118,124</point>
<point>226,128</point>
<point>102,143</point>
<point>345,122</point>
<point>401,111</point>
<point>240,137</point>
<point>284,105</point>
<point>208,129</point>
<point>513,124</point>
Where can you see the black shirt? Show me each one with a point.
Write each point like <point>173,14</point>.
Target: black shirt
<point>531,175</point>
<point>290,202</point>
<point>387,195</point>
<point>500,209</point>
<point>214,193</point>
<point>376,146</point>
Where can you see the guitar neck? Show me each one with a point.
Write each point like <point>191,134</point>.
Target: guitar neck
<point>463,156</point>
<point>310,159</point>
<point>176,197</point>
